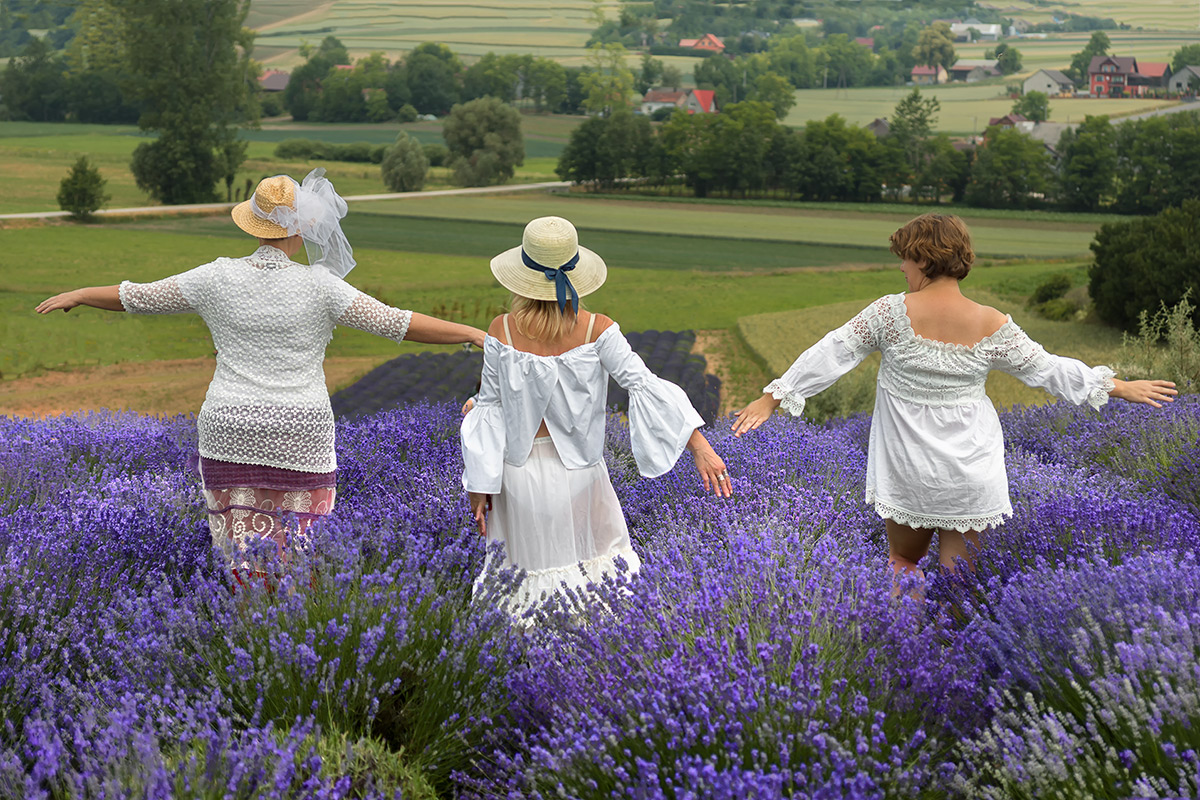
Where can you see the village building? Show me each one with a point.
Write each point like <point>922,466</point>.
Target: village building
<point>1151,76</point>
<point>273,80</point>
<point>923,75</point>
<point>1049,82</point>
<point>880,127</point>
<point>693,101</point>
<point>1013,120</point>
<point>708,43</point>
<point>1109,76</point>
<point>1186,81</point>
<point>866,41</point>
<point>988,32</point>
<point>973,70</point>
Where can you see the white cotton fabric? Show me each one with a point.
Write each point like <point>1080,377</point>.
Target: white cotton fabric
<point>936,451</point>
<point>554,508</point>
<point>576,511</point>
<point>270,320</point>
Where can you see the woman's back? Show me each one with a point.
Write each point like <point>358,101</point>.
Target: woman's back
<point>951,318</point>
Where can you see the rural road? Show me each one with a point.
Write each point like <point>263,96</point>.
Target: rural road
<point>1159,112</point>
<point>210,207</point>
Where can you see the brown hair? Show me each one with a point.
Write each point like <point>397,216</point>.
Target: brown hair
<point>940,241</point>
<point>541,320</point>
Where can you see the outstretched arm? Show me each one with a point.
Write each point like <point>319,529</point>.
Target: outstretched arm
<point>755,414</point>
<point>1152,393</point>
<point>107,298</point>
<point>431,330</point>
<point>710,465</point>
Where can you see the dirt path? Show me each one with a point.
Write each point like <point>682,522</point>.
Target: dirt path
<point>730,360</point>
<point>157,387</point>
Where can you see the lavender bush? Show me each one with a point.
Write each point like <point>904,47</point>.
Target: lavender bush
<point>757,653</point>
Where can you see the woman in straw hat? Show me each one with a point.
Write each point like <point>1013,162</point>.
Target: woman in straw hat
<point>266,428</point>
<point>533,443</point>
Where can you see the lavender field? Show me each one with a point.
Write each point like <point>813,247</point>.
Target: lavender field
<point>758,654</point>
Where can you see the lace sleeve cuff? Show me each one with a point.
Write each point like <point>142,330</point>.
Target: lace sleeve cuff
<point>368,314</point>
<point>790,401</point>
<point>1099,396</point>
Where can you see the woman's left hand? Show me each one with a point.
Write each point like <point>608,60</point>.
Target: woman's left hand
<point>1152,393</point>
<point>481,504</point>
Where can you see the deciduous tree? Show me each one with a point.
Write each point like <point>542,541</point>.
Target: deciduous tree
<point>1088,167</point>
<point>485,142</point>
<point>1097,46</point>
<point>1010,171</point>
<point>935,45</point>
<point>1033,105</point>
<point>607,82</point>
<point>405,165</point>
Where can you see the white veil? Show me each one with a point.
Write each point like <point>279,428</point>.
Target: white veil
<point>317,218</point>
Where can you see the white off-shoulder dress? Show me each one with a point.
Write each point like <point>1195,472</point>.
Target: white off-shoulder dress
<point>935,457</point>
<point>554,510</point>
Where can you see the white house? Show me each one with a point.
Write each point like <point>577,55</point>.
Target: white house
<point>1050,82</point>
<point>1185,79</point>
<point>988,31</point>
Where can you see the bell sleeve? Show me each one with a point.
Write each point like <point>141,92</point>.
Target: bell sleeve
<point>661,418</point>
<point>1069,379</point>
<point>178,294</point>
<point>482,433</point>
<point>838,352</point>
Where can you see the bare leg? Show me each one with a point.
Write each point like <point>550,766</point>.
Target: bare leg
<point>953,546</point>
<point>906,546</point>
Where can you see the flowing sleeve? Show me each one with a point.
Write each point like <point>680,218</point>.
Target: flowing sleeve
<point>661,418</point>
<point>483,433</point>
<point>361,311</point>
<point>1067,378</point>
<point>178,294</point>
<point>838,352</point>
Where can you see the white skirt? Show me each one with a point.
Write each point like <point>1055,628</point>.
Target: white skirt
<point>563,527</point>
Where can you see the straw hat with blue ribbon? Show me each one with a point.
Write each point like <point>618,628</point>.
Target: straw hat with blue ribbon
<point>550,264</point>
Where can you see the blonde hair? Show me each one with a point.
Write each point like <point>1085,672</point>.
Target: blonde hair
<point>541,320</point>
<point>941,241</point>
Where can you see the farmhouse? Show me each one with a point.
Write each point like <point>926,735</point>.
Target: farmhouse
<point>1017,121</point>
<point>1050,82</point>
<point>880,127</point>
<point>866,41</point>
<point>274,80</point>
<point>708,43</point>
<point>1109,76</point>
<point>1150,75</point>
<point>923,75</point>
<point>988,32</point>
<point>693,101</point>
<point>1186,81</point>
<point>973,70</point>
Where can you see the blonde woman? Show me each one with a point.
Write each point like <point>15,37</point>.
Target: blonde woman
<point>533,443</point>
<point>266,428</point>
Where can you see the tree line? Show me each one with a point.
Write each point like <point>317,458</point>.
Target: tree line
<point>1137,167</point>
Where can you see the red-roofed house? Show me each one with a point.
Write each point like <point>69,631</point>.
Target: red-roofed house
<point>1109,76</point>
<point>1007,121</point>
<point>708,43</point>
<point>866,41</point>
<point>1150,75</point>
<point>923,75</point>
<point>693,101</point>
<point>701,101</point>
<point>273,80</point>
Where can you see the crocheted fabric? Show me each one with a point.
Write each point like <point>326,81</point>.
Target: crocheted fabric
<point>270,320</point>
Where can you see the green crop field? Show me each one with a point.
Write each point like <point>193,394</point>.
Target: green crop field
<point>557,29</point>
<point>1013,237</point>
<point>1055,51</point>
<point>646,288</point>
<point>965,108</point>
<point>1150,14</point>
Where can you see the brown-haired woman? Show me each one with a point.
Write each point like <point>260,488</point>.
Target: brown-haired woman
<point>935,460</point>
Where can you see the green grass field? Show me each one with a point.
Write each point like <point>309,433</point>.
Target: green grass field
<point>641,292</point>
<point>557,29</point>
<point>1055,51</point>
<point>1150,14</point>
<point>965,108</point>
<point>1021,237</point>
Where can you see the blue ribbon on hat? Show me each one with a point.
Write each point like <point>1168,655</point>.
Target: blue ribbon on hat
<point>559,275</point>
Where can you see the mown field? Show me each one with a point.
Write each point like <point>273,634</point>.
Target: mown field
<point>1170,15</point>
<point>546,28</point>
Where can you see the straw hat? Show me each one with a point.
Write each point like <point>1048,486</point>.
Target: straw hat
<point>550,242</point>
<point>278,190</point>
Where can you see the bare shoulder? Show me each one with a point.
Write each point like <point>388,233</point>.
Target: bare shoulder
<point>603,323</point>
<point>992,319</point>
<point>496,329</point>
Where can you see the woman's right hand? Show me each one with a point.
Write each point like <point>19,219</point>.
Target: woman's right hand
<point>755,414</point>
<point>1152,393</point>
<point>66,301</point>
<point>481,504</point>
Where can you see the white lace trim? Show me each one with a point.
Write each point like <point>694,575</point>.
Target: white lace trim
<point>790,401</point>
<point>540,584</point>
<point>937,521</point>
<point>1099,396</point>
<point>287,437</point>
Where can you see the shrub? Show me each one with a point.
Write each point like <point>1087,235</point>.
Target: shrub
<point>295,149</point>
<point>1050,289</point>
<point>1166,346</point>
<point>1145,264</point>
<point>378,152</point>
<point>1059,309</point>
<point>404,166</point>
<point>437,154</point>
<point>271,104</point>
<point>357,152</point>
<point>82,190</point>
<point>407,113</point>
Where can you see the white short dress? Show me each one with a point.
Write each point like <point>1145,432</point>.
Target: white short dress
<point>554,508</point>
<point>936,453</point>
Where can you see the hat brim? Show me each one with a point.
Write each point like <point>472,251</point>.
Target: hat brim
<point>588,275</point>
<point>245,218</point>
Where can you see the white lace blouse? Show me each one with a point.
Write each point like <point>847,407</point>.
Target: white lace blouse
<point>270,320</point>
<point>936,450</point>
<point>519,390</point>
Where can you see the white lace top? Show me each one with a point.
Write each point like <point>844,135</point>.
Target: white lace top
<point>270,320</point>
<point>519,390</point>
<point>936,451</point>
